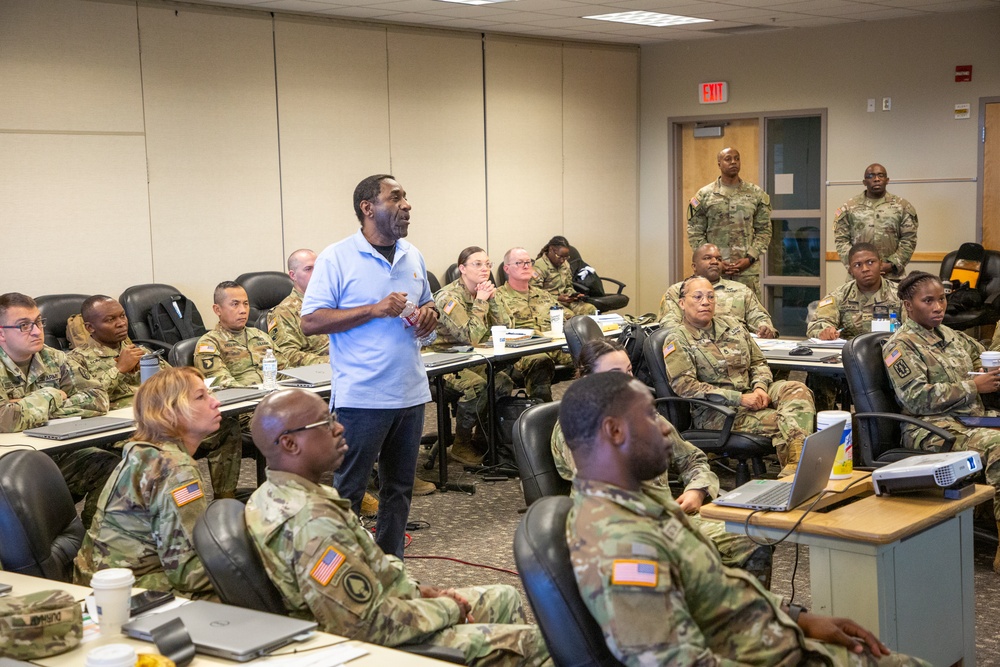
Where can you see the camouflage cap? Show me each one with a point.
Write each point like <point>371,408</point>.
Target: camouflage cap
<point>39,625</point>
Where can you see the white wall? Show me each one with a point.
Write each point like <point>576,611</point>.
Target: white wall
<point>229,139</point>
<point>838,68</point>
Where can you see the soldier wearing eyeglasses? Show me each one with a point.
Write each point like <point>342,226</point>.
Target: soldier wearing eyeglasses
<point>38,383</point>
<point>552,274</point>
<point>880,218</point>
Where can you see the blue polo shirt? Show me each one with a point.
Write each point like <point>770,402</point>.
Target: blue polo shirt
<point>377,364</point>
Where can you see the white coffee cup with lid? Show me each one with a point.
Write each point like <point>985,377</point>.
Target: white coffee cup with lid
<point>990,360</point>
<point>112,593</point>
<point>112,655</point>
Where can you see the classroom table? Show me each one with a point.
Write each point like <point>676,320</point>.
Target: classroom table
<point>902,566</point>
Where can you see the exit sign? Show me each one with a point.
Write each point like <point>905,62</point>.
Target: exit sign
<point>715,92</point>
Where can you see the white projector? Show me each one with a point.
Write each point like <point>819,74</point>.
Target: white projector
<point>931,471</point>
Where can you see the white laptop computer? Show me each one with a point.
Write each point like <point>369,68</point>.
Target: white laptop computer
<point>317,375</point>
<point>64,430</point>
<point>226,631</point>
<point>811,477</point>
<point>435,359</point>
<point>238,394</point>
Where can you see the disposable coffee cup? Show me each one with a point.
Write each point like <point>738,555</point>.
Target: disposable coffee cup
<point>499,338</point>
<point>112,591</point>
<point>112,655</point>
<point>990,360</point>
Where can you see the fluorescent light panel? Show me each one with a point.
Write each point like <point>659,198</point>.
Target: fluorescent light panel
<point>654,19</point>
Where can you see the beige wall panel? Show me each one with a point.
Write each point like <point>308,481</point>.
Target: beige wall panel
<point>333,111</point>
<point>837,68</point>
<point>208,80</point>
<point>437,139</point>
<point>74,213</point>
<point>600,135</point>
<point>69,66</point>
<point>524,143</point>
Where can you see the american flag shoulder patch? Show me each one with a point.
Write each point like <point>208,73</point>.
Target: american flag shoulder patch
<point>668,350</point>
<point>893,356</point>
<point>206,348</point>
<point>188,493</point>
<point>629,572</point>
<point>825,302</point>
<point>448,307</point>
<point>327,566</point>
<point>694,202</point>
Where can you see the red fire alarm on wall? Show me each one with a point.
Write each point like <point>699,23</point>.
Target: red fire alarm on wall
<point>963,73</point>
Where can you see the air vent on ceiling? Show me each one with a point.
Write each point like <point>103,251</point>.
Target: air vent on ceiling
<point>746,29</point>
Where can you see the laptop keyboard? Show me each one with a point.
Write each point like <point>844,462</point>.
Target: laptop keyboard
<point>777,495</point>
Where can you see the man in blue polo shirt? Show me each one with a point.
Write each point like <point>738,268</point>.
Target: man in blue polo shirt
<point>359,288</point>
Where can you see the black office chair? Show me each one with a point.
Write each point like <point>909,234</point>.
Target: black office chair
<point>139,300</point>
<point>579,331</point>
<point>41,532</point>
<point>182,353</point>
<point>747,449</point>
<point>876,434</point>
<point>265,290</point>
<point>988,288</point>
<point>501,276</point>
<point>434,283</point>
<point>57,309</point>
<point>593,286</point>
<point>238,575</point>
<point>573,636</point>
<point>533,453</point>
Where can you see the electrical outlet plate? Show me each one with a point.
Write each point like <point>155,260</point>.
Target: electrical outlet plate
<point>871,104</point>
<point>886,104</point>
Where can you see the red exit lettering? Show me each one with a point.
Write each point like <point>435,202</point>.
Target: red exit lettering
<point>715,92</point>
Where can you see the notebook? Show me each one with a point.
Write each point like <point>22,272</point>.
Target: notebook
<point>238,394</point>
<point>317,375</point>
<point>435,359</point>
<point>76,428</point>
<point>813,472</point>
<point>226,631</point>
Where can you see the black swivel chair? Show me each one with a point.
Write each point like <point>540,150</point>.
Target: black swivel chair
<point>40,531</point>
<point>988,287</point>
<point>434,283</point>
<point>593,286</point>
<point>182,353</point>
<point>533,453</point>
<point>579,331</point>
<point>748,449</point>
<point>56,309</point>
<point>573,636</point>
<point>139,300</point>
<point>265,290</point>
<point>238,575</point>
<point>876,433</point>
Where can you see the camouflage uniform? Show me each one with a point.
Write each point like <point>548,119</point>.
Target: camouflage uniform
<point>530,310</point>
<point>731,298</point>
<point>722,361</point>
<point>691,465</point>
<point>929,370</point>
<point>737,220</point>
<point>466,320</point>
<point>145,522</point>
<point>27,402</point>
<point>890,223</point>
<point>284,325</point>
<point>328,567</point>
<point>849,309</point>
<point>558,282</point>
<point>223,449</point>
<point>233,359</point>
<point>661,595</point>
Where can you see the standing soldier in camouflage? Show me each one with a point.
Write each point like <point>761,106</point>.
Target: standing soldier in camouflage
<point>468,309</point>
<point>552,274</point>
<point>715,356</point>
<point>37,383</point>
<point>654,584</point>
<point>232,352</point>
<point>731,298</point>
<point>528,308</point>
<point>734,215</point>
<point>113,360</point>
<point>688,463</point>
<point>882,219</point>
<point>328,568</point>
<point>848,310</point>
<point>284,322</point>
<point>930,366</point>
<point>147,512</point>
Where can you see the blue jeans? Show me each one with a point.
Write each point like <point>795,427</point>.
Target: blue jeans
<point>391,437</point>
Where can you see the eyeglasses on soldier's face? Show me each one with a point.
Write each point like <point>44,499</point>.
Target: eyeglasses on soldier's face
<point>478,265</point>
<point>328,423</point>
<point>523,263</point>
<point>25,326</point>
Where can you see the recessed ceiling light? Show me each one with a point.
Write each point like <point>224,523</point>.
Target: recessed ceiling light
<point>475,2</point>
<point>654,19</point>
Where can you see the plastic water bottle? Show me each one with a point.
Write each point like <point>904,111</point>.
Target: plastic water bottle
<point>270,370</point>
<point>893,322</point>
<point>149,364</point>
<point>409,317</point>
<point>556,320</point>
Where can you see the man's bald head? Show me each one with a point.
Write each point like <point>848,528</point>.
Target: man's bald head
<point>300,267</point>
<point>290,429</point>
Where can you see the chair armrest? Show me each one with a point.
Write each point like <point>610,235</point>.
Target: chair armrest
<point>443,653</point>
<point>154,344</point>
<point>620,284</point>
<point>580,288</point>
<point>949,438</point>
<point>991,300</point>
<point>727,412</point>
